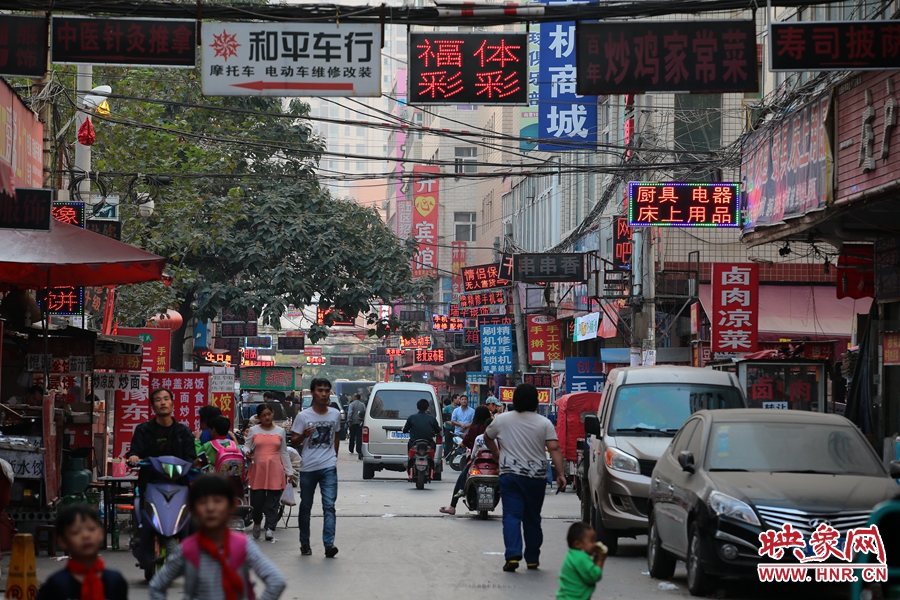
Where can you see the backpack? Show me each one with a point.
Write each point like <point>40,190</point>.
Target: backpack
<point>190,548</point>
<point>229,460</point>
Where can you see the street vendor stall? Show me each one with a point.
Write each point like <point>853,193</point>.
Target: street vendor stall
<point>781,383</point>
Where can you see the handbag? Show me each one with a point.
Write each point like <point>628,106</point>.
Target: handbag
<point>287,496</point>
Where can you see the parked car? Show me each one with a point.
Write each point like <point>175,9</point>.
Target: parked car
<point>730,475</point>
<point>384,443</point>
<point>642,409</point>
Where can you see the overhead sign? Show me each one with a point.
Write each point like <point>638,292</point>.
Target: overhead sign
<point>622,246</point>
<point>496,349</point>
<point>735,307</point>
<point>635,57</point>
<point>420,342</point>
<point>340,319</point>
<point>468,68</point>
<point>435,356</point>
<point>340,361</point>
<point>71,213</point>
<point>127,42</point>
<point>230,315</point>
<point>426,206</point>
<point>584,375</point>
<point>23,46</point>
<point>291,59</point>
<point>684,204</point>
<point>482,299</point>
<point>477,311</point>
<point>834,45</point>
<point>544,339</point>
<point>29,210</point>
<point>787,166</point>
<point>238,329</point>
<point>260,341</point>
<point>110,382</point>
<point>538,380</point>
<point>269,378</point>
<point>482,277</point>
<point>445,323</point>
<point>294,342</point>
<point>586,327</point>
<point>412,315</point>
<point>541,268</point>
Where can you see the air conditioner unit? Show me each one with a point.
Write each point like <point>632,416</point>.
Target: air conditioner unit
<point>508,229</point>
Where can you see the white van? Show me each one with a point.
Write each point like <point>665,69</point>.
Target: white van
<point>384,443</point>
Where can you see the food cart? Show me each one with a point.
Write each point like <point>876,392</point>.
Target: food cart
<point>775,383</point>
<point>570,412</point>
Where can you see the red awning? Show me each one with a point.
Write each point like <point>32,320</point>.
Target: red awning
<point>811,310</point>
<point>419,368</point>
<point>68,255</point>
<point>444,370</point>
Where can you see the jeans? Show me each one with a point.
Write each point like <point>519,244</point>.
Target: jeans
<point>327,481</point>
<point>356,436</point>
<point>460,484</point>
<point>265,502</point>
<point>523,498</point>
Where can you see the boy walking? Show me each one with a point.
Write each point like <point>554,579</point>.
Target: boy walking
<point>316,432</point>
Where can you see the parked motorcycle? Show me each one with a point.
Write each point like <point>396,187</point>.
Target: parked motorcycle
<point>420,466</point>
<point>482,490</point>
<point>457,458</point>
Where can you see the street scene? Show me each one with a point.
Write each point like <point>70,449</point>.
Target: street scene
<point>549,299</point>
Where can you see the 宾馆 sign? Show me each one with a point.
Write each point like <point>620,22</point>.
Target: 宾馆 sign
<point>426,206</point>
<point>684,204</point>
<point>127,42</point>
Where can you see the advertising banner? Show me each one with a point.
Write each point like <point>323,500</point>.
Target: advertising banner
<point>23,46</point>
<point>735,307</point>
<point>482,277</point>
<point>132,409</point>
<point>584,375</point>
<point>544,339</point>
<point>541,268</point>
<point>157,345</point>
<point>291,59</point>
<point>191,391</point>
<point>496,349</point>
<point>123,42</point>
<point>22,146</point>
<point>528,118</point>
<point>426,205</point>
<point>684,204</point>
<point>834,45</point>
<point>586,327</point>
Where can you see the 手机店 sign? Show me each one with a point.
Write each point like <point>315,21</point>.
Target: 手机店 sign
<point>539,268</point>
<point>633,57</point>
<point>735,307</point>
<point>426,206</point>
<point>23,46</point>
<point>29,210</point>
<point>684,204</point>
<point>132,42</point>
<point>834,45</point>
<point>291,59</point>
<point>468,68</point>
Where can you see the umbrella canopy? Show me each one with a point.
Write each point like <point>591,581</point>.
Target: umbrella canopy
<point>68,255</point>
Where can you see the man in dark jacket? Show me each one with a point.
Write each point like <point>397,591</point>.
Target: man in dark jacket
<point>421,426</point>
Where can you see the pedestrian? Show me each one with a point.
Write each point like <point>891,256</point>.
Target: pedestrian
<point>582,567</point>
<point>479,423</point>
<point>356,418</point>
<point>523,436</point>
<point>270,470</point>
<point>493,405</point>
<point>80,533</point>
<point>491,398</point>
<point>316,432</point>
<point>222,444</point>
<point>447,416</point>
<point>462,416</point>
<point>216,562</point>
<point>421,425</point>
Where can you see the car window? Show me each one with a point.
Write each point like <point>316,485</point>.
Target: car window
<point>307,402</point>
<point>695,444</point>
<point>398,404</point>
<point>680,442</point>
<point>643,407</point>
<point>791,448</point>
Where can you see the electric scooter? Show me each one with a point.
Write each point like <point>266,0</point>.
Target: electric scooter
<point>420,466</point>
<point>482,489</point>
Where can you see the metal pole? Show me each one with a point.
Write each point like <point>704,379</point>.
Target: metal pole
<point>637,290</point>
<point>84,82</point>
<point>520,329</point>
<point>650,300</point>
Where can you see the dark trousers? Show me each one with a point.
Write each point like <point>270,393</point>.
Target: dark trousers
<point>265,502</point>
<point>460,484</point>
<point>448,442</point>
<point>356,438</point>
<point>523,498</point>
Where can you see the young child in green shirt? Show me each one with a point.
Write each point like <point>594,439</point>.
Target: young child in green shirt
<point>583,566</point>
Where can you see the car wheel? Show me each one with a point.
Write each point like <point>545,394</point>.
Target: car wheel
<point>661,564</point>
<point>368,471</point>
<point>699,582</point>
<point>608,537</point>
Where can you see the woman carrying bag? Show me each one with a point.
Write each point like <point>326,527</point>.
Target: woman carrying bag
<point>270,471</point>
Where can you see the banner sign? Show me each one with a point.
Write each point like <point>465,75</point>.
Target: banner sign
<point>435,356</point>
<point>563,114</point>
<point>296,342</point>
<point>291,59</point>
<point>157,343</point>
<point>238,330</point>
<point>834,45</point>
<point>496,349</point>
<point>787,167</point>
<point>586,327</point>
<point>584,375</point>
<point>420,342</point>
<point>684,204</point>
<point>544,339</point>
<point>426,205</point>
<point>482,277</point>
<point>635,57</point>
<point>622,247</point>
<point>23,140</point>
<point>445,323</point>
<point>123,42</point>
<point>29,210</point>
<point>468,68</point>
<point>23,46</point>
<point>111,382</point>
<point>541,268</point>
<point>458,263</point>
<point>735,307</point>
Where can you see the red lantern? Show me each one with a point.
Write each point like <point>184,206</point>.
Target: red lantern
<point>171,319</point>
<point>86,134</point>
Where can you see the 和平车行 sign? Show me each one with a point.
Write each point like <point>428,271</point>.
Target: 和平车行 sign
<point>684,204</point>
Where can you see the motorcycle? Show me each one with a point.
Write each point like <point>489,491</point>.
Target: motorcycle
<point>482,490</point>
<point>457,458</point>
<point>420,466</point>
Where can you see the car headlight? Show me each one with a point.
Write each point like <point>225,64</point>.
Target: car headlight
<point>620,461</point>
<point>726,506</point>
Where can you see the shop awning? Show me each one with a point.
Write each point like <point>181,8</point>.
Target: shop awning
<point>444,370</point>
<point>419,368</point>
<point>813,310</point>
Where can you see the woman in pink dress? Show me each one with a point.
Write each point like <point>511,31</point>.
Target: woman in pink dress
<point>269,471</point>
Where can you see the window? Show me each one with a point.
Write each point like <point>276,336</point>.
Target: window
<point>465,226</point>
<point>397,404</point>
<point>360,149</point>
<point>346,130</point>
<point>360,132</point>
<point>332,130</point>
<point>346,148</point>
<point>465,159</point>
<point>645,408</point>
<point>698,128</point>
<point>360,167</point>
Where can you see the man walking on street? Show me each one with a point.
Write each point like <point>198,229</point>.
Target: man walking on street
<point>316,432</point>
<point>462,416</point>
<point>523,436</point>
<point>447,416</point>
<point>357,416</point>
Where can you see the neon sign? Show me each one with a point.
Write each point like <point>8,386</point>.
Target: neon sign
<point>684,204</point>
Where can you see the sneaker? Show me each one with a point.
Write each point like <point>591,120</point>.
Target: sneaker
<point>533,566</point>
<point>511,565</point>
<point>256,531</point>
<point>305,550</point>
<point>331,551</point>
<point>270,535</point>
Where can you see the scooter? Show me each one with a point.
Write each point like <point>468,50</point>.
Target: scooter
<point>420,466</point>
<point>457,458</point>
<point>482,490</point>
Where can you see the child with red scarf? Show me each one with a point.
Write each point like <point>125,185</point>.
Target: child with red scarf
<point>80,531</point>
<point>216,562</point>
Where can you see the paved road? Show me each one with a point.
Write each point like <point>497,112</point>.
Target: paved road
<point>394,544</point>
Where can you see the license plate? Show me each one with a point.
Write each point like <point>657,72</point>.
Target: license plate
<point>485,497</point>
<point>397,435</point>
<point>422,461</point>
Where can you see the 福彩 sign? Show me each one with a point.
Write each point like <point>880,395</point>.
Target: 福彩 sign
<point>684,204</point>
<point>291,59</point>
<point>496,349</point>
<point>735,307</point>
<point>534,268</point>
<point>834,45</point>
<point>633,57</point>
<point>23,46</point>
<point>468,68</point>
<point>130,42</point>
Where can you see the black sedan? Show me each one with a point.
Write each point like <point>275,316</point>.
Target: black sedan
<point>730,475</point>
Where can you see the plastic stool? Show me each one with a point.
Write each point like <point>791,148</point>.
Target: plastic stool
<point>50,539</point>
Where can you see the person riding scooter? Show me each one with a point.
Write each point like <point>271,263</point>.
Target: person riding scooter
<point>421,426</point>
<point>422,429</point>
<point>480,422</point>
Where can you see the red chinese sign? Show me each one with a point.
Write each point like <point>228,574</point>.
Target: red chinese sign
<point>506,394</point>
<point>891,348</point>
<point>421,342</point>
<point>621,242</point>
<point>468,68</point>
<point>482,299</point>
<point>735,307</point>
<point>472,337</point>
<point>157,344</point>
<point>68,300</point>
<point>482,277</point>
<point>340,319</point>
<point>544,339</point>
<point>435,356</point>
<point>190,390</point>
<point>538,380</point>
<point>835,46</point>
<point>477,311</point>
<point>426,205</point>
<point>315,360</point>
<point>23,46</point>
<point>71,213</point>
<point>458,259</point>
<point>633,57</point>
<point>394,351</point>
<point>130,42</point>
<point>445,323</point>
<point>684,204</point>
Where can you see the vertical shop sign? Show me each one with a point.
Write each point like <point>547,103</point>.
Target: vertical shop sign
<point>426,204</point>
<point>191,391</point>
<point>496,349</point>
<point>528,120</point>
<point>457,265</point>
<point>221,394</point>
<point>544,339</point>
<point>735,307</point>
<point>622,231</point>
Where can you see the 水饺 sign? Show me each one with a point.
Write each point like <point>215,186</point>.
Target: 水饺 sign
<point>544,340</point>
<point>468,68</point>
<point>834,45</point>
<point>291,59</point>
<point>684,204</point>
<point>735,307</point>
<point>23,46</point>
<point>540,268</point>
<point>129,42</point>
